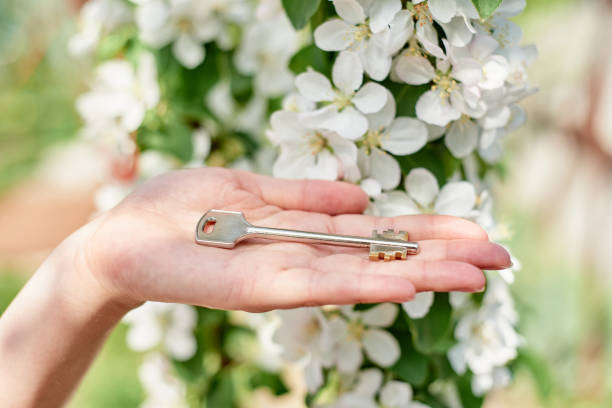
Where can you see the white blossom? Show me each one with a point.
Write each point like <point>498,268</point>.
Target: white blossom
<point>188,24</point>
<point>308,153</point>
<point>116,104</point>
<point>162,388</point>
<point>167,325</point>
<point>305,337</point>
<point>355,331</point>
<point>97,18</point>
<point>487,339</point>
<point>423,195</point>
<point>388,134</point>
<point>267,46</point>
<point>373,29</point>
<point>344,107</point>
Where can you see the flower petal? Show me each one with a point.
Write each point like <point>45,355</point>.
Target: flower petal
<point>396,394</point>
<point>376,61</point>
<point>347,72</point>
<point>382,12</point>
<point>180,344</point>
<point>468,70</point>
<point>189,52</point>
<point>422,186</point>
<point>349,356</point>
<point>334,35</point>
<point>433,107</point>
<point>456,198</point>
<point>385,169</point>
<point>442,10</point>
<point>381,347</point>
<point>314,86</point>
<point>414,69</point>
<point>369,382</point>
<point>404,136</point>
<point>428,37</point>
<point>458,31</point>
<point>384,117</point>
<point>286,127</point>
<point>382,315</point>
<point>420,305</point>
<point>325,167</point>
<point>395,203</point>
<point>350,11</point>
<point>462,138</point>
<point>348,123</point>
<point>370,98</point>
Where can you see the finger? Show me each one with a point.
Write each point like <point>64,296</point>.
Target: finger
<point>482,254</point>
<point>314,287</point>
<point>329,197</point>
<point>438,276</point>
<point>419,227</point>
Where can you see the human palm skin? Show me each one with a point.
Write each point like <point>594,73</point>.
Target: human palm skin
<point>144,248</point>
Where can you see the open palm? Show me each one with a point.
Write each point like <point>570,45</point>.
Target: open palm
<point>144,248</point>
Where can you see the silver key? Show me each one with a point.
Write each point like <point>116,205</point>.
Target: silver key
<point>224,229</point>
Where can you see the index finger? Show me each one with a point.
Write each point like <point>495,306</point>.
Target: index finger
<point>419,227</point>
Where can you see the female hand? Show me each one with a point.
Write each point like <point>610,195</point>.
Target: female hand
<point>144,248</point>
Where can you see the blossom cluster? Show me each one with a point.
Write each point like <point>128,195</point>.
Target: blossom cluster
<point>411,100</point>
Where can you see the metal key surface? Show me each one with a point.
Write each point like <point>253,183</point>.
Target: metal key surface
<point>224,229</point>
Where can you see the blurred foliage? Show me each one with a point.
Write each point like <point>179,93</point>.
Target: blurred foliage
<point>38,84</point>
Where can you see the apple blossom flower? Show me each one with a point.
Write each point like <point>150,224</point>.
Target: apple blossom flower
<point>116,104</point>
<point>388,134</point>
<point>487,339</point>
<point>398,394</point>
<point>306,152</point>
<point>188,24</point>
<point>344,107</point>
<point>305,336</point>
<point>373,29</point>
<point>162,388</point>
<point>423,195</point>
<point>97,18</point>
<point>167,324</point>
<point>355,331</point>
<point>267,46</point>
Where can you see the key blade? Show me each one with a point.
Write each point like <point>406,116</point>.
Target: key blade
<point>220,228</point>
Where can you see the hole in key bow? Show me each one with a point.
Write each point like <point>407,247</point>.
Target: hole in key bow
<point>209,225</point>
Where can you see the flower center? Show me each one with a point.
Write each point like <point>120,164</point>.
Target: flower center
<point>317,143</point>
<point>356,330</point>
<point>184,25</point>
<point>362,33</point>
<point>445,84</point>
<point>341,100</point>
<point>372,139</point>
<point>422,13</point>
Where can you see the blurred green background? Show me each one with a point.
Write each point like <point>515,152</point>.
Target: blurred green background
<point>556,198</point>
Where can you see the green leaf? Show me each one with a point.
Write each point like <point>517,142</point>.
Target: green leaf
<point>468,399</point>
<point>486,7</point>
<point>412,366</point>
<point>174,138</point>
<point>222,391</point>
<point>432,334</point>
<point>272,381</point>
<point>300,11</point>
<point>435,157</point>
<point>406,96</point>
<point>310,56</point>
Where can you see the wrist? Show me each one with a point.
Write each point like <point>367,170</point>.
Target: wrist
<point>79,282</point>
